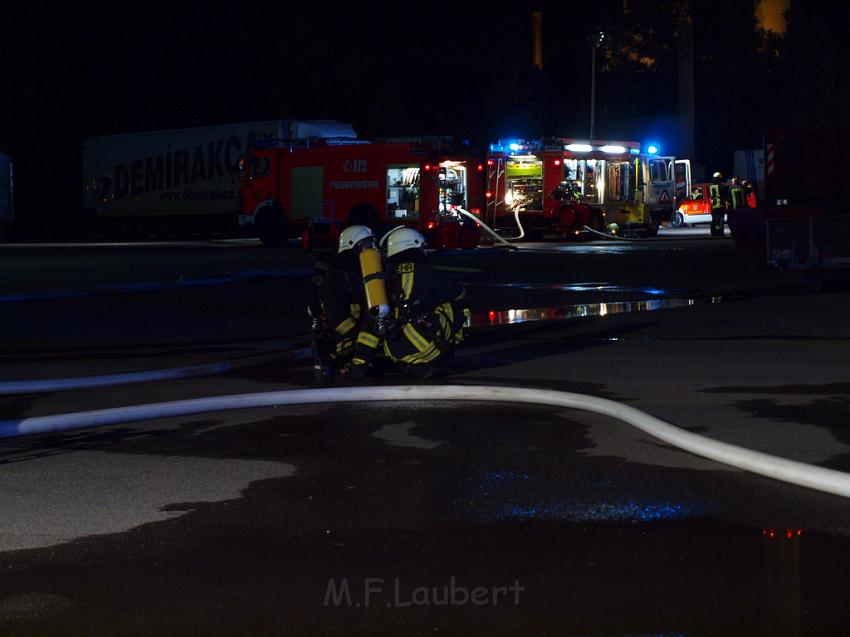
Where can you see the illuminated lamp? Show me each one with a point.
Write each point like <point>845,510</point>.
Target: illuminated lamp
<point>490,162</point>
<point>427,166</point>
<point>475,211</point>
<point>431,225</point>
<point>612,148</point>
<point>652,149</point>
<point>481,167</point>
<point>488,194</point>
<point>514,146</point>
<point>578,148</point>
<point>557,162</point>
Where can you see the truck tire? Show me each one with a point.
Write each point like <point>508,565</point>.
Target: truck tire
<point>271,227</point>
<point>678,220</point>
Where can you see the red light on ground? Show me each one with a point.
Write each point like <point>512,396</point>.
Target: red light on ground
<point>488,194</point>
<point>480,167</point>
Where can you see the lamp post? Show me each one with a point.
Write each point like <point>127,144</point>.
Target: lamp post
<point>595,41</point>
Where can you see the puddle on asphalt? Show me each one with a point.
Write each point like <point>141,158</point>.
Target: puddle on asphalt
<point>590,286</point>
<point>561,312</point>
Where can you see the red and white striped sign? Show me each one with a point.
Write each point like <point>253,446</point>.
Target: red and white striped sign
<point>770,150</point>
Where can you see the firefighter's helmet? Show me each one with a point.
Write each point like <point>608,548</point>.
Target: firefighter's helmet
<point>717,175</point>
<point>353,235</point>
<point>400,239</point>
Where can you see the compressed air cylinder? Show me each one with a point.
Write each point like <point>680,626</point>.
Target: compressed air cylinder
<point>374,283</point>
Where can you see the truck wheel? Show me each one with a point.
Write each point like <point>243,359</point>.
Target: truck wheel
<point>678,220</point>
<point>271,228</point>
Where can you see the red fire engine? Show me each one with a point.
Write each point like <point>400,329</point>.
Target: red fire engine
<point>309,187</point>
<point>562,186</point>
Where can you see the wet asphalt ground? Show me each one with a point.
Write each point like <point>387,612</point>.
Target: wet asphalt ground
<point>421,518</point>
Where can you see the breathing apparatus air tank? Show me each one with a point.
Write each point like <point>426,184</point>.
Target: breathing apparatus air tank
<point>375,284</point>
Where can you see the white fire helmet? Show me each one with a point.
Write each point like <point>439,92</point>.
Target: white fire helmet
<point>353,235</point>
<point>401,239</point>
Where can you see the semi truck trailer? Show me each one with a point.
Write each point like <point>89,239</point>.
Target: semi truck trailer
<point>180,181</point>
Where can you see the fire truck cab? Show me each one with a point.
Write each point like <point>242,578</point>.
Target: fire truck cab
<point>564,186</point>
<point>309,187</point>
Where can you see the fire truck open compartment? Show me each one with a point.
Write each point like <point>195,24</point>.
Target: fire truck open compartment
<point>403,192</point>
<point>563,186</point>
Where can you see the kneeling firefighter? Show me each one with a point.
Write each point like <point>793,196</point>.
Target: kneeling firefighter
<point>428,312</point>
<point>353,304</point>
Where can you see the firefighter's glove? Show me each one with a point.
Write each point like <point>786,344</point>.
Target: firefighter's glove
<point>358,372</point>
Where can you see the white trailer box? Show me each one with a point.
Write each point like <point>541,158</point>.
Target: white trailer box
<point>179,172</point>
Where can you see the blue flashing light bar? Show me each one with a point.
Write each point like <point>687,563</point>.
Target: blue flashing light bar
<point>514,146</point>
<point>652,149</point>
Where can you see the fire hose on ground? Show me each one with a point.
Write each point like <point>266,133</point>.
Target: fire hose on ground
<point>10,387</point>
<point>790,471</point>
<point>506,242</point>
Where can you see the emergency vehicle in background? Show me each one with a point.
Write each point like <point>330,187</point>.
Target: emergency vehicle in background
<point>308,188</point>
<point>697,207</point>
<point>562,186</point>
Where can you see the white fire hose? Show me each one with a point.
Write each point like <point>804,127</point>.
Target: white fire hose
<point>791,471</point>
<point>490,230</point>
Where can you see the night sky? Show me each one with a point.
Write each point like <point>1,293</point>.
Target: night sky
<point>402,69</point>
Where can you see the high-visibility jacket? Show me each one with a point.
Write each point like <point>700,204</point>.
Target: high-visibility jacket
<point>736,193</point>
<point>428,313</point>
<point>719,194</point>
<point>352,329</point>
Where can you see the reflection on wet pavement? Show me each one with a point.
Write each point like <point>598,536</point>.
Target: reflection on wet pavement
<point>560,312</point>
<point>592,286</point>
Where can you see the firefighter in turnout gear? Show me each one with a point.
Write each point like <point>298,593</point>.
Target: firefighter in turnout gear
<point>352,317</point>
<point>719,194</point>
<point>428,311</point>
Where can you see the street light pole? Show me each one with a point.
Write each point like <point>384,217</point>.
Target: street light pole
<point>595,43</point>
